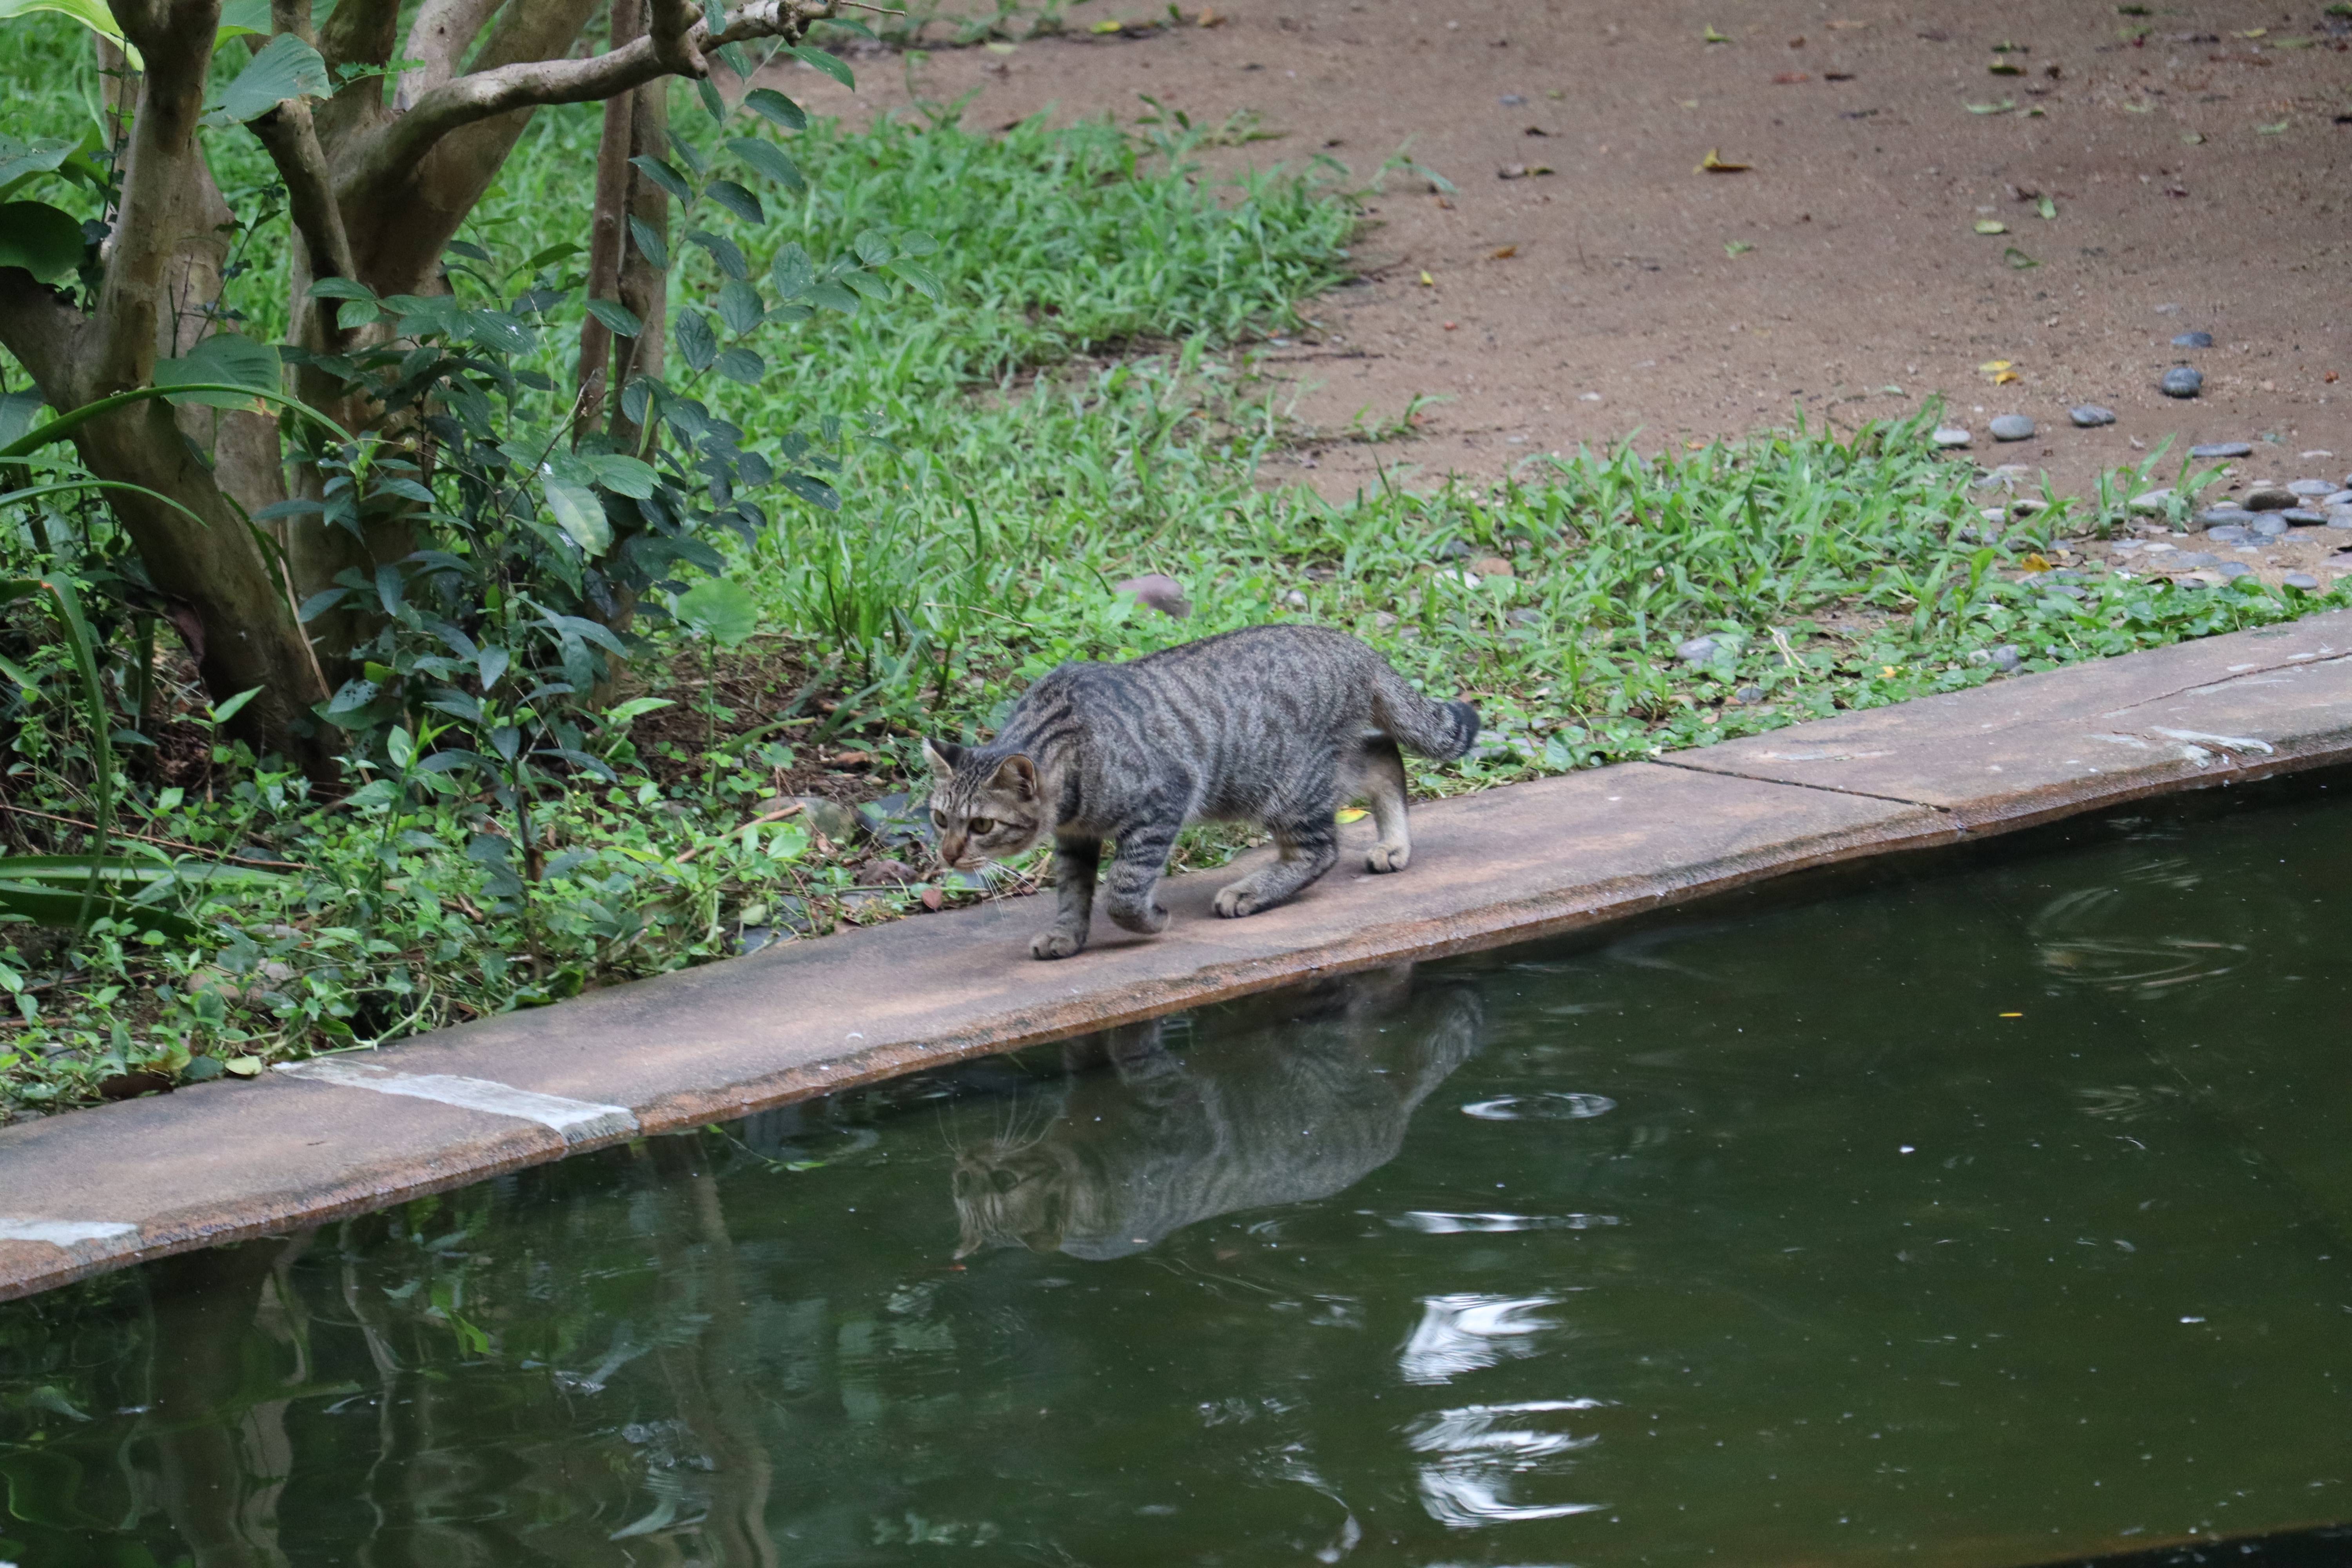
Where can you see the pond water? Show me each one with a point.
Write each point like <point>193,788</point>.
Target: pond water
<point>1996,1215</point>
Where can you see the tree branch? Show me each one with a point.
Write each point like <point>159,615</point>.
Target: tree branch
<point>39,325</point>
<point>671,24</point>
<point>292,142</point>
<point>386,156</point>
<point>177,41</point>
<point>444,30</point>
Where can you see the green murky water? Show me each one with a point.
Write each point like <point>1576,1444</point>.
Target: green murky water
<point>1760,1236</point>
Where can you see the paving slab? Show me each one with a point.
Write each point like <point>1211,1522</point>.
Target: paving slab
<point>2028,750</point>
<point>99,1188</point>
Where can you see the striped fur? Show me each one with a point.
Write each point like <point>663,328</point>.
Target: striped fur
<point>1276,726</point>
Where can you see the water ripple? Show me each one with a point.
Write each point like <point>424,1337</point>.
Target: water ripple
<point>1558,1105</point>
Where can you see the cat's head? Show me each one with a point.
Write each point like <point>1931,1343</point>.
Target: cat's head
<point>985,809</point>
<point>1010,1197</point>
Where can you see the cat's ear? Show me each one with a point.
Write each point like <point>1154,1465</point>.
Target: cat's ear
<point>1017,776</point>
<point>944,755</point>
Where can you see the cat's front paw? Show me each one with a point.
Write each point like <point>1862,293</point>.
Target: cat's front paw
<point>1388,858</point>
<point>1235,902</point>
<point>1057,944</point>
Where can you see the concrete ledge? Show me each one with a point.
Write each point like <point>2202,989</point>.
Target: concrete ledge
<point>100,1188</point>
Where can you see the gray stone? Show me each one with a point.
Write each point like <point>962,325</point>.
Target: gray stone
<point>2303,517</point>
<point>1525,617</point>
<point>2302,579</point>
<point>2151,503</point>
<point>2011,427</point>
<point>2268,525</point>
<point>2189,561</point>
<point>2268,498</point>
<point>2006,658</point>
<point>1697,650</point>
<point>2089,416</point>
<point>1512,99</point>
<point>2181,381</point>
<point>1952,435</point>
<point>2193,340</point>
<point>2339,517</point>
<point>2337,498</point>
<point>2229,533</point>
<point>2063,590</point>
<point>2310,489</point>
<point>2224,516</point>
<point>2212,450</point>
<point>830,817</point>
<point>1748,696</point>
<point>2234,569</point>
<point>896,819</point>
<point>1162,593</point>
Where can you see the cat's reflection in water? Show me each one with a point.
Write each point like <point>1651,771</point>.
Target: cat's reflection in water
<point>1288,1098</point>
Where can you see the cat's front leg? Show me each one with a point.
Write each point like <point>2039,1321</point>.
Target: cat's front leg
<point>1132,886</point>
<point>1075,861</point>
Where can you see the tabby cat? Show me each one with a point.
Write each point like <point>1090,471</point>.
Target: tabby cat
<point>1276,726</point>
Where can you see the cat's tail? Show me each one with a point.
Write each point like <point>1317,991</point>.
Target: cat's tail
<point>1439,730</point>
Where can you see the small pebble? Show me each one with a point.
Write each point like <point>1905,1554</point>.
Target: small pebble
<point>1513,99</point>
<point>1748,695</point>
<point>2006,656</point>
<point>2182,380</point>
<point>1950,436</point>
<point>1160,591</point>
<point>1697,650</point>
<point>2193,340</point>
<point>2151,503</point>
<point>2222,449</point>
<point>2228,533</point>
<point>2310,489</point>
<point>2268,498</point>
<point>2234,569</point>
<point>1492,566</point>
<point>2268,525</point>
<point>2303,517</point>
<point>2339,517</point>
<point>1295,599</point>
<point>1453,550</point>
<point>2090,414</point>
<point>1994,513</point>
<point>2011,427</point>
<point>2338,498</point>
<point>2302,579</point>
<point>2189,561</point>
<point>2224,516</point>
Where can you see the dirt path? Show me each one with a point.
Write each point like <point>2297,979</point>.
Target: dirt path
<point>2200,180</point>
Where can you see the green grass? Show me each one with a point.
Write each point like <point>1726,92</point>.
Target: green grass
<point>1086,406</point>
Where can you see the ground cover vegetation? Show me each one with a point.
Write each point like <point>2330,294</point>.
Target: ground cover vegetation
<point>616,638</point>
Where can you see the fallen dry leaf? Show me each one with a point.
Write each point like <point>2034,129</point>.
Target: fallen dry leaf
<point>1209,17</point>
<point>1837,75</point>
<point>2003,378</point>
<point>1714,164</point>
<point>933,900</point>
<point>1502,253</point>
<point>1427,282</point>
<point>2034,563</point>
<point>1790,79</point>
<point>1992,367</point>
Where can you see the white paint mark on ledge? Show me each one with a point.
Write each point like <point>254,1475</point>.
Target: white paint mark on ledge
<point>63,1232</point>
<point>577,1119</point>
<point>2228,743</point>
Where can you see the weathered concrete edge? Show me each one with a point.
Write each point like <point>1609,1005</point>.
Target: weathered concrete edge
<point>1912,825</point>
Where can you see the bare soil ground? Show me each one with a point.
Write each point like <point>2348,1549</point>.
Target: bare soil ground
<point>2198,158</point>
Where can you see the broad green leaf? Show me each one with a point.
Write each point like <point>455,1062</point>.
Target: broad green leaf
<point>649,244</point>
<point>921,279</point>
<point>342,288</point>
<point>741,364</point>
<point>776,109</point>
<point>794,272</point>
<point>873,247</point>
<point>866,284</point>
<point>622,320</point>
<point>46,241</point>
<point>720,610</point>
<point>23,161</point>
<point>712,104</point>
<point>628,477</point>
<point>18,411</point>
<point>579,513</point>
<point>723,250</point>
<point>770,160</point>
<point>286,68</point>
<point>225,357</point>
<point>831,65</point>
<point>814,491</point>
<point>915,242</point>
<point>75,906</point>
<point>737,200</point>
<point>500,332</point>
<point>667,178</point>
<point>90,14</point>
<point>238,17</point>
<point>833,297</point>
<point>698,345</point>
<point>692,156</point>
<point>739,307</point>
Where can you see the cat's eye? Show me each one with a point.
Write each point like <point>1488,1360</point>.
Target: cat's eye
<point>983,825</point>
<point>939,820</point>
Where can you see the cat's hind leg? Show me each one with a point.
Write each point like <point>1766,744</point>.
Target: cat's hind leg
<point>1310,846</point>
<point>1378,779</point>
